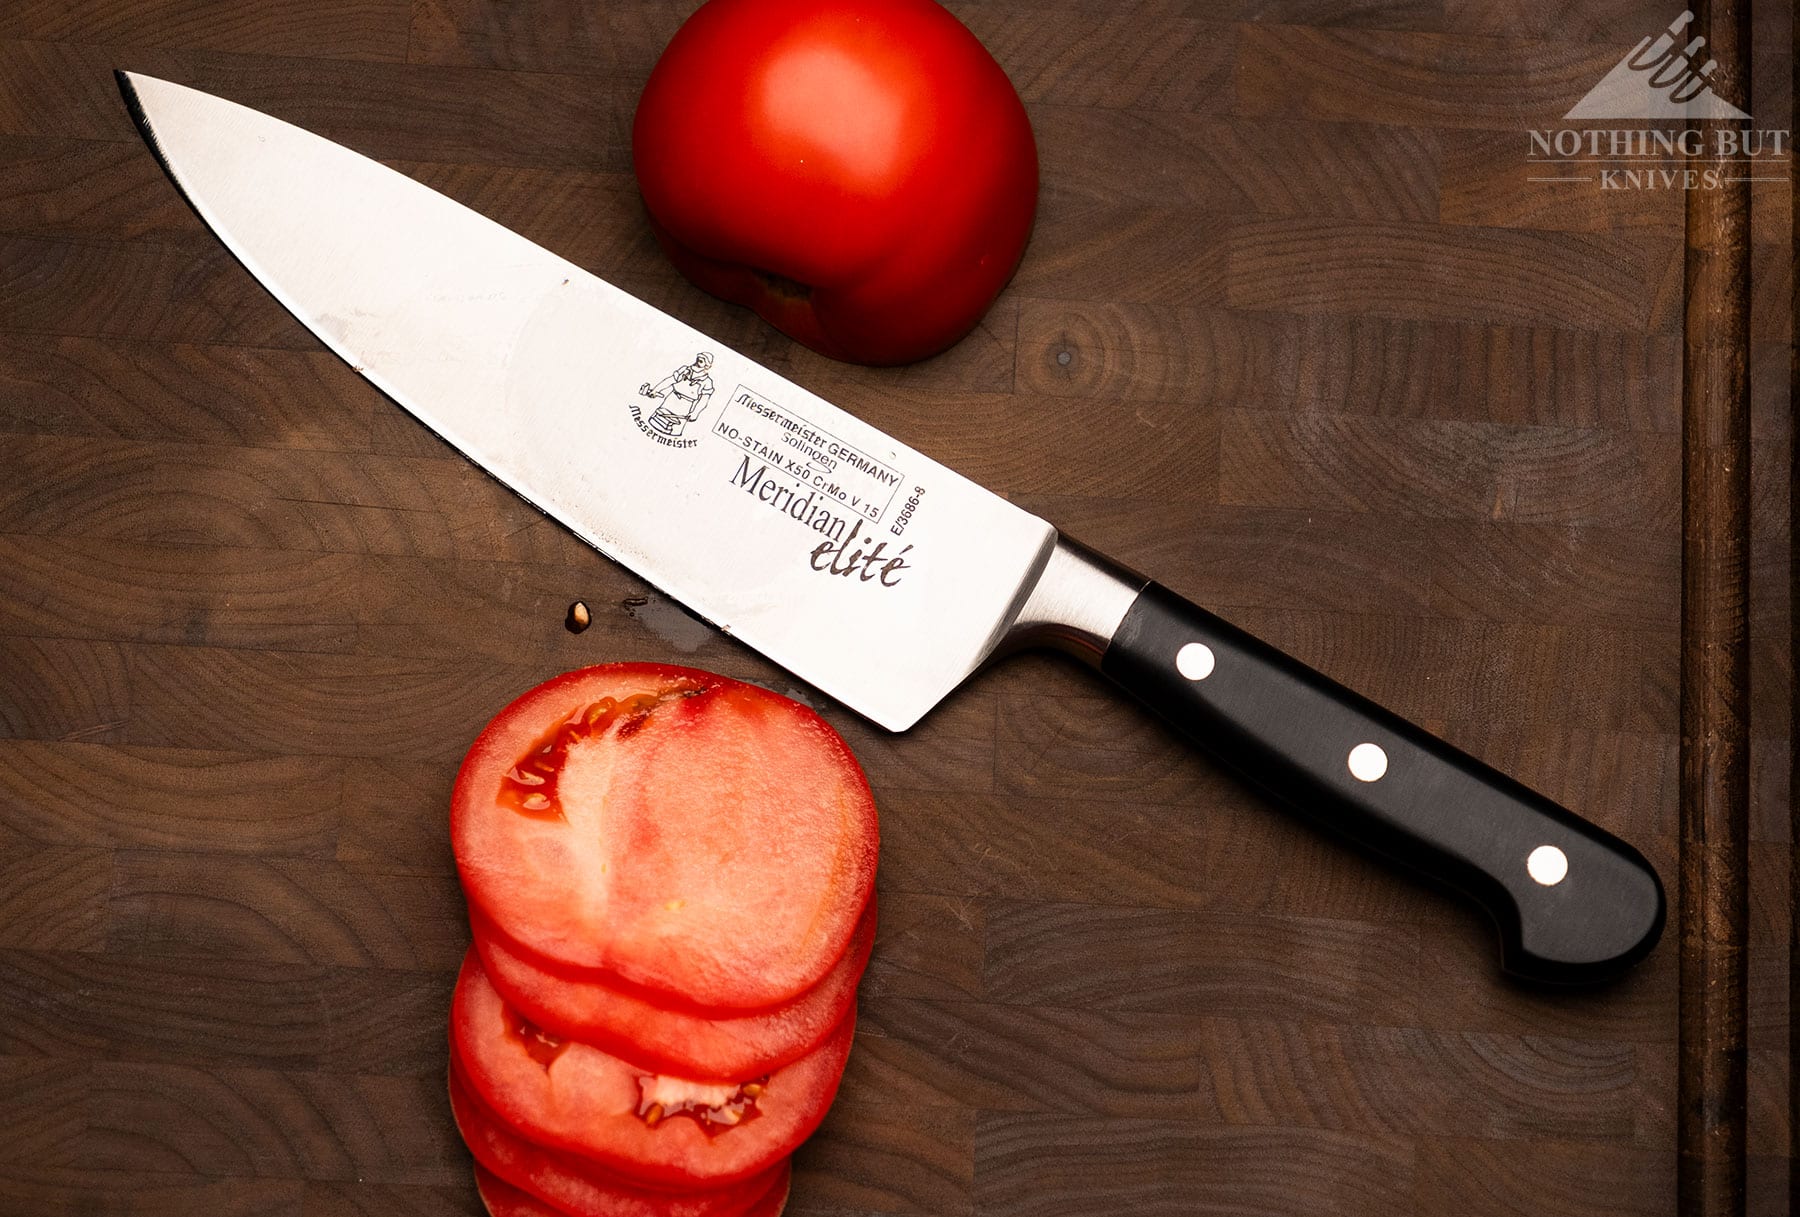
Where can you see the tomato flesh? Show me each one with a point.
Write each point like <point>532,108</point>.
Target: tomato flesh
<point>591,1008</point>
<point>695,836</point>
<point>654,1128</point>
<point>581,1189</point>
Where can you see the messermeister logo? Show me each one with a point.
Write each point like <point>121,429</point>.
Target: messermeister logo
<point>820,482</point>
<point>680,397</point>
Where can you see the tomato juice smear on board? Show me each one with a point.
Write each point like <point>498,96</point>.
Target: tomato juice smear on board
<point>701,838</point>
<point>592,1009</point>
<point>659,1129</point>
<point>581,1188</point>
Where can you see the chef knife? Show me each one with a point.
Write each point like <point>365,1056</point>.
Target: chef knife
<point>862,566</point>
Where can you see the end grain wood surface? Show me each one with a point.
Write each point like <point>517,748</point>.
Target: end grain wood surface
<point>1296,334</point>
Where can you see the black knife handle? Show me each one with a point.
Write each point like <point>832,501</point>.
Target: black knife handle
<point>1573,903</point>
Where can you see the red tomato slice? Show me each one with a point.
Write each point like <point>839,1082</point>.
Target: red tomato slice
<point>588,1007</point>
<point>660,1129</point>
<point>582,1189</point>
<point>502,1199</point>
<point>698,837</point>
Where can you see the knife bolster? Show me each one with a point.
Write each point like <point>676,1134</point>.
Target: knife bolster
<point>1076,604</point>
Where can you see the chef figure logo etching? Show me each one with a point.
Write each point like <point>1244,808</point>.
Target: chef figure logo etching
<point>681,397</point>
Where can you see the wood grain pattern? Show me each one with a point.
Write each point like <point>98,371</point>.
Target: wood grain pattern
<point>1122,1063</point>
<point>881,1158</point>
<point>1471,1084</point>
<point>1487,182</point>
<point>201,1011</point>
<point>84,187</point>
<point>240,396</point>
<point>86,793</point>
<point>327,707</point>
<point>1224,852</point>
<point>1356,364</point>
<point>189,289</point>
<point>1105,57</point>
<point>299,909</point>
<point>1483,275</point>
<point>1407,78</point>
<point>39,1108</point>
<point>1603,21</point>
<point>53,897</point>
<point>334,29</point>
<point>1295,335</point>
<point>72,690</point>
<point>73,1190</point>
<point>255,1123</point>
<point>1491,1178</point>
<point>128,591</point>
<point>1711,1158</point>
<point>472,33</point>
<point>1036,1164</point>
<point>351,1199</point>
<point>1154,960</point>
<point>1227,166</point>
<point>1449,469</point>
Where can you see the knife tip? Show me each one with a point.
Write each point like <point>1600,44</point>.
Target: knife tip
<point>130,89</point>
<point>127,83</point>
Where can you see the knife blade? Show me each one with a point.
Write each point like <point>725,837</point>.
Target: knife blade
<point>864,567</point>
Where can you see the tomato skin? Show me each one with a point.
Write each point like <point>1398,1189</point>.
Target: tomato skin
<point>580,1189</point>
<point>502,1199</point>
<point>591,1007</point>
<point>860,172</point>
<point>584,1101</point>
<point>718,851</point>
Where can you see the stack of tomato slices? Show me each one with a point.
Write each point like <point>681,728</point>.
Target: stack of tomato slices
<point>670,878</point>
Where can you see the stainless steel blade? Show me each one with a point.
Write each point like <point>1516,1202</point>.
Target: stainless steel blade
<point>860,565</point>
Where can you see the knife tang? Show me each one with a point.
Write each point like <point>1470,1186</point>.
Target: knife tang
<point>1573,904</point>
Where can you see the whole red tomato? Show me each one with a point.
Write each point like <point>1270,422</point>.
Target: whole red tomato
<point>860,172</point>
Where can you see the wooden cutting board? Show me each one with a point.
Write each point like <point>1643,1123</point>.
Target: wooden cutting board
<point>1296,334</point>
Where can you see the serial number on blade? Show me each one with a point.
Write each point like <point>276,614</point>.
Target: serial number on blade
<point>811,457</point>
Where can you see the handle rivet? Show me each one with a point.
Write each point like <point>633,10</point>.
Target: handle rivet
<point>1194,661</point>
<point>1548,865</point>
<point>1367,762</point>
